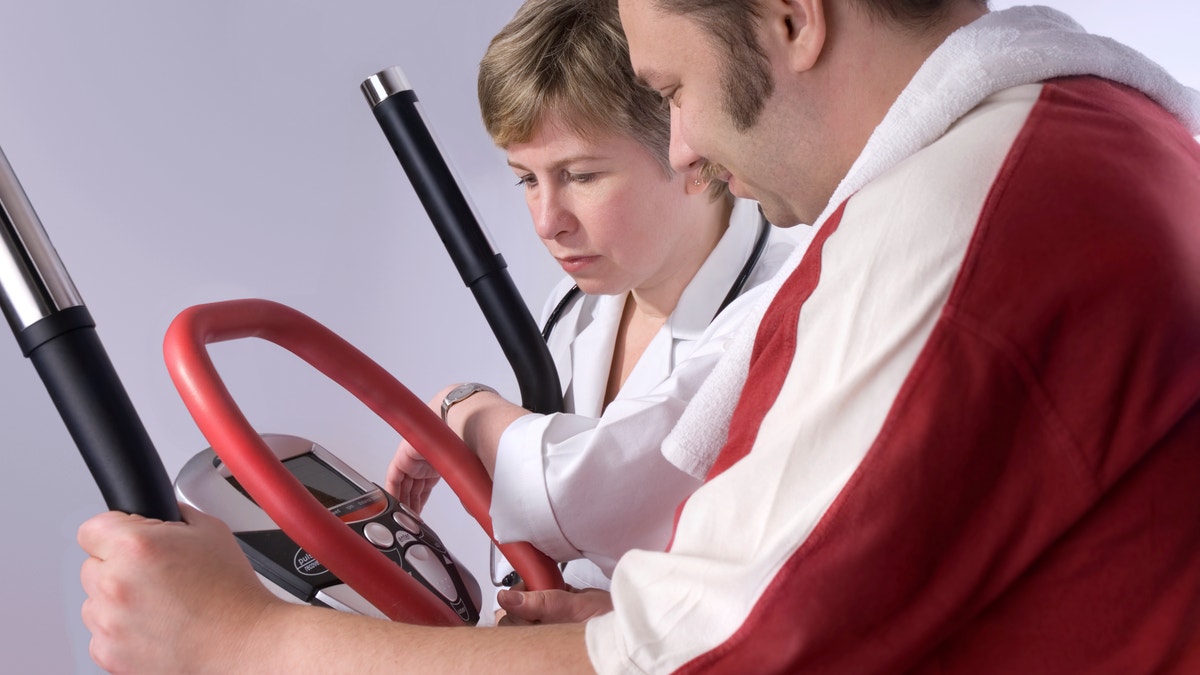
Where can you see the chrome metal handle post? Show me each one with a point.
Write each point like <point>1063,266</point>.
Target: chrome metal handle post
<point>33,282</point>
<point>56,332</point>
<point>481,268</point>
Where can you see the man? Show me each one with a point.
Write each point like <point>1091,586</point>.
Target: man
<point>968,435</point>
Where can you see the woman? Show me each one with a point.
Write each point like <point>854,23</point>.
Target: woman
<point>666,263</point>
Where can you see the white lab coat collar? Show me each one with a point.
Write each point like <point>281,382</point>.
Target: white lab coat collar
<point>597,334</point>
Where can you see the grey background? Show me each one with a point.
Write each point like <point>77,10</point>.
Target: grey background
<point>184,152</point>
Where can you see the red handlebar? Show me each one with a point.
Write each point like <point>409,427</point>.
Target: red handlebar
<point>301,516</point>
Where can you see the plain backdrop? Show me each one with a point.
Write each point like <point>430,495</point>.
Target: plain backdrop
<point>183,152</point>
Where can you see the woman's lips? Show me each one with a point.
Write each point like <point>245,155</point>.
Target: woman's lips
<point>573,264</point>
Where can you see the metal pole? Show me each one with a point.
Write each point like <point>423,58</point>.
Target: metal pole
<point>56,332</point>
<point>482,269</point>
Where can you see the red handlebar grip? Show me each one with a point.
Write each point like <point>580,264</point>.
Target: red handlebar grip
<point>304,519</point>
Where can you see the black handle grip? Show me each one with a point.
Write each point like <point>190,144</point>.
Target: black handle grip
<point>57,333</point>
<point>482,270</point>
<point>520,340</point>
<point>436,187</point>
<point>67,354</point>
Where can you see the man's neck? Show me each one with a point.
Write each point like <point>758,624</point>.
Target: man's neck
<point>873,62</point>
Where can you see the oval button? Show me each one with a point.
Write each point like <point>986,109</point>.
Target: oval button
<point>406,521</point>
<point>431,569</point>
<point>379,535</point>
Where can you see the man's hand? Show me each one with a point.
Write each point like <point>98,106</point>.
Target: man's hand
<point>163,597</point>
<point>523,608</point>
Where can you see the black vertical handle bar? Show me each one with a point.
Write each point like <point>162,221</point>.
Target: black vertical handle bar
<point>482,269</point>
<point>56,332</point>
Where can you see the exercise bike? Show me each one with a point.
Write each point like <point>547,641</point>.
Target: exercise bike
<point>314,528</point>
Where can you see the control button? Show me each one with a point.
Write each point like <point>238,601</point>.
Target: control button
<point>431,569</point>
<point>379,535</point>
<point>406,521</point>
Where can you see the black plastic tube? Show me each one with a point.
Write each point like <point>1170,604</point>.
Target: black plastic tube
<point>56,332</point>
<point>481,268</point>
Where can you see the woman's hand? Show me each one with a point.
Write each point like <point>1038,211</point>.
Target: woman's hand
<point>410,478</point>
<point>479,420</point>
<point>525,608</point>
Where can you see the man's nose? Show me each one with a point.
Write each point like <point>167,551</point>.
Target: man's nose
<point>681,155</point>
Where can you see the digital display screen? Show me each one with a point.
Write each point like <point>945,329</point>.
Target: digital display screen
<point>328,486</point>
<point>324,483</point>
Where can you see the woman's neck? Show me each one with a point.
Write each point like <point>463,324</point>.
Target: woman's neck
<point>657,299</point>
<point>647,309</point>
<point>634,334</point>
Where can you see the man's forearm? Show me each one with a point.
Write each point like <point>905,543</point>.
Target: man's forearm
<point>372,645</point>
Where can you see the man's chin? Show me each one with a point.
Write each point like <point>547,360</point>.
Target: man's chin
<point>779,217</point>
<point>739,189</point>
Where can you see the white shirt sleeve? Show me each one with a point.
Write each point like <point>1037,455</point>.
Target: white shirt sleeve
<point>577,486</point>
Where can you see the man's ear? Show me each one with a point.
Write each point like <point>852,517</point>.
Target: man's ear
<point>799,26</point>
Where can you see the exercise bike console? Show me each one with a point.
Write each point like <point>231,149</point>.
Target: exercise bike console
<point>207,484</point>
<point>286,492</point>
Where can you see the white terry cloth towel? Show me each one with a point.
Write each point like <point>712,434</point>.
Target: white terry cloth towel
<point>1003,49</point>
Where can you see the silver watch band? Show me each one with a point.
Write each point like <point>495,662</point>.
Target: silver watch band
<point>461,393</point>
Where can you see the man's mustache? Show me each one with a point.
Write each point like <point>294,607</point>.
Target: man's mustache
<point>710,172</point>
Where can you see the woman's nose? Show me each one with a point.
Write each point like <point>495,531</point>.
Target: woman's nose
<point>551,214</point>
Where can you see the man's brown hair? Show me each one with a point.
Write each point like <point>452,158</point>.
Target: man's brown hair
<point>733,24</point>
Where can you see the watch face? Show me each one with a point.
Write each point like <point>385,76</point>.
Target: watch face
<point>459,393</point>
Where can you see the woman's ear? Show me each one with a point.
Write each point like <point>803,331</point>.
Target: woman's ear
<point>694,183</point>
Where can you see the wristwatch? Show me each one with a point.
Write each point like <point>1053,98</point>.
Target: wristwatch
<point>461,393</point>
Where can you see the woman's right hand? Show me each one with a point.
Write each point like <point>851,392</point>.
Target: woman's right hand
<point>519,607</point>
<point>410,478</point>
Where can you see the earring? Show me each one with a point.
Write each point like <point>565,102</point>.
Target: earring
<point>696,182</point>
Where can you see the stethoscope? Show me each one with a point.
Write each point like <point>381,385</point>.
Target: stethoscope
<point>739,282</point>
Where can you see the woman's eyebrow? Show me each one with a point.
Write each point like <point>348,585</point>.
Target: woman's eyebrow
<point>564,162</point>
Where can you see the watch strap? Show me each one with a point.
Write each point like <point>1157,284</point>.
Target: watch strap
<point>461,393</point>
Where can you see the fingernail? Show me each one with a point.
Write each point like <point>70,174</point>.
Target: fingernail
<point>511,598</point>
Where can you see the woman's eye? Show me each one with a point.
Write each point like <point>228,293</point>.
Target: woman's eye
<point>527,181</point>
<point>580,177</point>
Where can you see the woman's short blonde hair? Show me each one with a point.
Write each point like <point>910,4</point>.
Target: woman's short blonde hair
<point>568,57</point>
